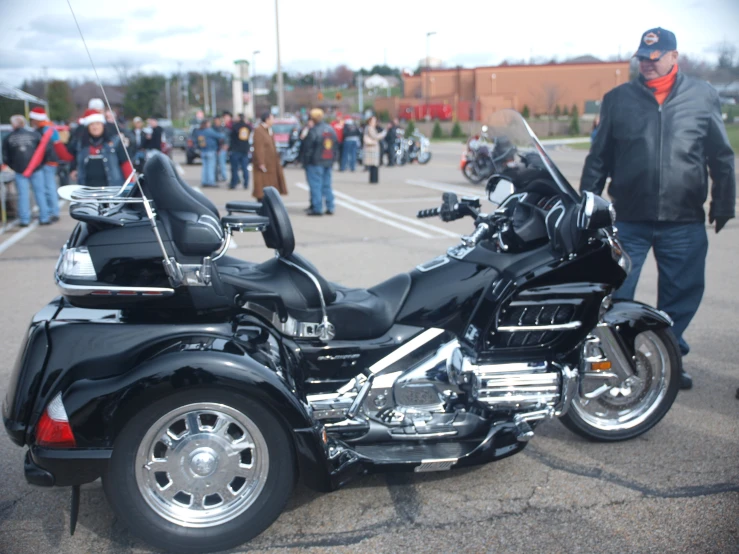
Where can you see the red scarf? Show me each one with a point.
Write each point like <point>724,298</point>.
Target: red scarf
<point>663,85</point>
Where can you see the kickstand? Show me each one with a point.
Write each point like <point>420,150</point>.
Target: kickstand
<point>75,508</point>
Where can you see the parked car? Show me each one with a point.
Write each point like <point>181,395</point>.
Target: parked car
<point>281,130</point>
<point>179,139</point>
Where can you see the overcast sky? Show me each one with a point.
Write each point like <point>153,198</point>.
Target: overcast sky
<point>154,35</point>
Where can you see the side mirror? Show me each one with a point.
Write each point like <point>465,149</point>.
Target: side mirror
<point>595,213</point>
<point>498,189</point>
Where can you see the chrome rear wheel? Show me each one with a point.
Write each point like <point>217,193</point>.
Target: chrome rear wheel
<point>202,465</point>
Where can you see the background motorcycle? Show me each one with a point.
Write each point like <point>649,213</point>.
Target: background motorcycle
<point>477,162</point>
<point>418,148</point>
<point>199,385</point>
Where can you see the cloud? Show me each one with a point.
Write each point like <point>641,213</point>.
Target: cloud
<point>59,27</point>
<point>170,32</point>
<point>144,13</point>
<point>76,58</point>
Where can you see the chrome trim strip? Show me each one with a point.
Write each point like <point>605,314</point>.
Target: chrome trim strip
<point>406,349</point>
<point>81,290</point>
<point>557,327</point>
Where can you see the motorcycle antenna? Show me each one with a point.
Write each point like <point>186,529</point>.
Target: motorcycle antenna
<point>170,265</point>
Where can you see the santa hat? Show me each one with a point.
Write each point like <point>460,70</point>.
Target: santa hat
<point>96,104</point>
<point>92,116</point>
<point>38,114</point>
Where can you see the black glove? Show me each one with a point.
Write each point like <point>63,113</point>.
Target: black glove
<point>720,221</point>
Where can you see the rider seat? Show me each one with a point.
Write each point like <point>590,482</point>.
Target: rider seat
<point>357,314</point>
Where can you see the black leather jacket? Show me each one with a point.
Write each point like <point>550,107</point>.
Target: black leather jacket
<point>19,147</point>
<point>320,146</point>
<point>657,157</point>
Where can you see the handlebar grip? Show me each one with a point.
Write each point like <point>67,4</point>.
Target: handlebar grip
<point>433,212</point>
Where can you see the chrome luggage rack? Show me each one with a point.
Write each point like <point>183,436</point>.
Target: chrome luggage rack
<point>190,275</point>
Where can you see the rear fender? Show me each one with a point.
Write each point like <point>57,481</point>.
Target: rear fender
<point>99,409</point>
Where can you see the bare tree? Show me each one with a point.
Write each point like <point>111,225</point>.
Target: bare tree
<point>552,95</point>
<point>125,70</point>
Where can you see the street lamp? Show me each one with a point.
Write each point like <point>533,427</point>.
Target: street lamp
<point>427,70</point>
<point>280,87</point>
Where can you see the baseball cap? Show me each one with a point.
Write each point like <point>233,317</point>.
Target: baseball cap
<point>655,43</point>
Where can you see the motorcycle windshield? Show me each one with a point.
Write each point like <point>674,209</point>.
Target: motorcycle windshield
<point>514,142</point>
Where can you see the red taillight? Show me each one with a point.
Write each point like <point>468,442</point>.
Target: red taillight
<point>53,428</point>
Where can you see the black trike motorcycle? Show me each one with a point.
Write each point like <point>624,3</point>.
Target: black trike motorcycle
<point>199,386</point>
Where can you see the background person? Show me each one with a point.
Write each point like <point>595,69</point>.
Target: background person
<point>266,161</point>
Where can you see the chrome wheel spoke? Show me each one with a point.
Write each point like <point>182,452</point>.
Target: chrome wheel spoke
<point>202,465</point>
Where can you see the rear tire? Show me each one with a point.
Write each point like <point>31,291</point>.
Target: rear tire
<point>599,422</point>
<point>200,471</point>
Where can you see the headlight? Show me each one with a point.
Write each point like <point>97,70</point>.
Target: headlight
<point>76,263</point>
<point>619,254</point>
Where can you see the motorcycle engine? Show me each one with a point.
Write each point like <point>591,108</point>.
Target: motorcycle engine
<point>447,394</point>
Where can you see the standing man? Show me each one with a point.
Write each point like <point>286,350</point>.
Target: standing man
<point>220,128</point>
<point>657,139</point>
<point>58,152</point>
<point>321,146</point>
<point>266,161</point>
<point>239,145</point>
<point>209,143</point>
<point>19,148</point>
<point>352,138</point>
<point>153,142</point>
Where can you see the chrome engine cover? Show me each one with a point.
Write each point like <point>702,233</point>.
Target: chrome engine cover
<point>518,386</point>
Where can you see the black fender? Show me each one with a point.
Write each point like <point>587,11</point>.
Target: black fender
<point>636,316</point>
<point>98,409</point>
<point>628,318</point>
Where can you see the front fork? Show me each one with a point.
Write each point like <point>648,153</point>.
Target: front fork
<point>607,363</point>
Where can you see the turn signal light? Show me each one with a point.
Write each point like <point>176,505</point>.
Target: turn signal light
<point>600,366</point>
<point>53,428</point>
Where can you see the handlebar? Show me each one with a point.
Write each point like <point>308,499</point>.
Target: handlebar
<point>433,212</point>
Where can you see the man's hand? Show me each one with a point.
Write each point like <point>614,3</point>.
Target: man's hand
<point>263,168</point>
<point>73,175</point>
<point>720,221</point>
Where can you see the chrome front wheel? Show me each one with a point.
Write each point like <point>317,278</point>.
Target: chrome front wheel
<point>629,408</point>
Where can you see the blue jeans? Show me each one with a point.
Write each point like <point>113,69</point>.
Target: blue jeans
<point>222,171</point>
<point>239,160</point>
<point>23,185</point>
<point>319,181</point>
<point>349,155</point>
<point>52,198</point>
<point>680,250</point>
<point>209,167</point>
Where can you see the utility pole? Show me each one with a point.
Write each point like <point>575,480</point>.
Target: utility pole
<point>206,105</point>
<point>360,85</point>
<point>426,107</point>
<point>280,85</point>
<point>169,98</point>
<point>213,111</point>
<point>253,86</point>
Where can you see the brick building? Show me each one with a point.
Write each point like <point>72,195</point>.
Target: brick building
<point>473,94</point>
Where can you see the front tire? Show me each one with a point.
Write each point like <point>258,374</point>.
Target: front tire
<point>200,471</point>
<point>625,412</point>
<point>471,173</point>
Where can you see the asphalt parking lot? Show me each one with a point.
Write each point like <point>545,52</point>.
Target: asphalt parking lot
<point>675,489</point>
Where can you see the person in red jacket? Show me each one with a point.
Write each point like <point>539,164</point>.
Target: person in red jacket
<point>49,136</point>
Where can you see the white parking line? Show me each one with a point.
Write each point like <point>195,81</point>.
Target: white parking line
<point>17,237</point>
<point>370,215</point>
<point>25,232</point>
<point>447,187</point>
<point>388,213</point>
